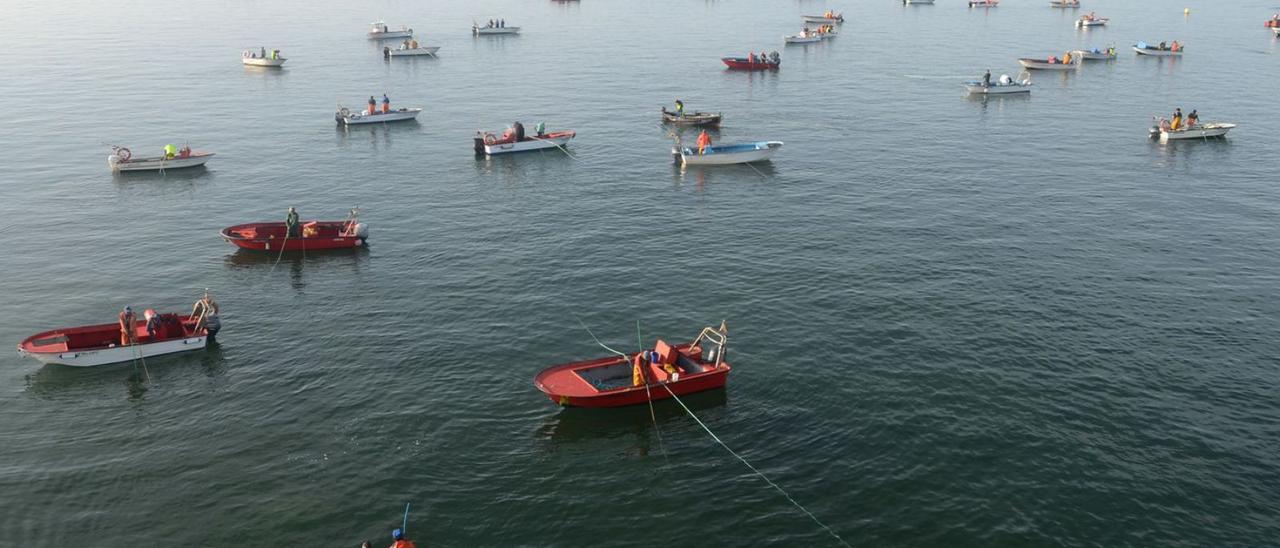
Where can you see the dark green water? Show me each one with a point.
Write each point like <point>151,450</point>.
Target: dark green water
<point>953,322</point>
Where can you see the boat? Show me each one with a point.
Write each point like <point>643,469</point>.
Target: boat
<point>409,48</point>
<point>984,3</point>
<point>802,38</point>
<point>313,236</point>
<point>1095,54</point>
<point>1142,48</point>
<point>691,119</point>
<point>748,63</point>
<point>1276,30</point>
<point>643,376</point>
<point>514,140</point>
<point>478,30</point>
<point>1003,85</point>
<point>346,117</point>
<point>1091,20</point>
<point>1064,3</point>
<point>91,345</point>
<point>833,19</point>
<point>917,2</point>
<point>1206,130</point>
<point>1272,23</point>
<point>263,58</point>
<point>379,31</point>
<point>122,160</point>
<point>1052,63</point>
<point>742,153</point>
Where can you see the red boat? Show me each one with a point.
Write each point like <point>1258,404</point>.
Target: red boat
<point>643,376</point>
<point>1272,23</point>
<point>757,63</point>
<point>313,235</point>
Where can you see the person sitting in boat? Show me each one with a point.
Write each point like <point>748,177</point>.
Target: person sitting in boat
<point>184,152</point>
<point>1192,119</point>
<point>127,321</point>
<point>291,223</point>
<point>413,44</point>
<point>1066,58</point>
<point>679,107</point>
<point>517,129</point>
<point>373,106</point>
<point>1162,46</point>
<point>170,151</point>
<point>986,79</point>
<point>1053,59</point>
<point>1176,46</point>
<point>704,141</point>
<point>1176,123</point>
<point>639,363</point>
<point>386,104</point>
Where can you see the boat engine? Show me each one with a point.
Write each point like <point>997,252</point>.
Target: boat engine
<point>386,52</point>
<point>362,231</point>
<point>479,144</point>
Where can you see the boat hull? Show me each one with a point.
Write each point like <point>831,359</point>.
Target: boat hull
<point>196,159</point>
<point>1064,4</point>
<point>984,4</point>
<point>1093,55</point>
<point>1276,30</point>
<point>822,19</point>
<point>119,354</point>
<point>563,385</point>
<point>94,345</point>
<point>494,31</point>
<point>919,2</point>
<point>801,39</point>
<point>1203,131</point>
<point>391,35</point>
<point>731,154</point>
<point>1092,23</point>
<point>1157,52</point>
<point>427,51</point>
<point>1037,64</point>
<point>271,236</point>
<point>550,140</point>
<point>976,88</point>
<point>694,119</point>
<point>401,115</point>
<point>741,63</point>
<point>257,62</point>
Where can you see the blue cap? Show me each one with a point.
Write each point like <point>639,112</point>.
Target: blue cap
<point>397,534</point>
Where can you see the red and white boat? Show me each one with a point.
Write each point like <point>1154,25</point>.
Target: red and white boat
<point>516,141</point>
<point>641,377</point>
<point>758,63</point>
<point>100,344</point>
<point>313,235</point>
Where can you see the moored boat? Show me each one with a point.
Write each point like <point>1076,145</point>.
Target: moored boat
<point>1095,54</point>
<point>262,58</point>
<point>691,119</point>
<point>753,63</point>
<point>741,153</point>
<point>984,3</point>
<point>917,2</point>
<point>827,18</point>
<point>1052,63</point>
<point>1091,20</point>
<point>311,235</point>
<point>153,335</point>
<point>802,38</point>
<point>410,49</point>
<point>346,117</point>
<point>1205,130</point>
<point>1161,50</point>
<point>641,377</point>
<point>514,140</point>
<point>1003,85</point>
<point>121,159</point>
<point>478,30</point>
<point>1064,3</point>
<point>379,31</point>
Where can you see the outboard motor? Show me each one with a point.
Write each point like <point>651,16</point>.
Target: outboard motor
<point>212,324</point>
<point>362,232</point>
<point>479,144</point>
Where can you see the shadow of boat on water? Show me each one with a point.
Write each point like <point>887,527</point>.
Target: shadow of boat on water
<point>53,381</point>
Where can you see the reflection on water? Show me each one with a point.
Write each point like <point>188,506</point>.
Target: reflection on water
<point>702,175</point>
<point>377,135</point>
<point>174,179</point>
<point>52,381</point>
<point>575,424</point>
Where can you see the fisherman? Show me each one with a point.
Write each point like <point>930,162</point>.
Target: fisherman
<point>263,55</point>
<point>127,321</point>
<point>291,223</point>
<point>986,79</point>
<point>170,151</point>
<point>1176,46</point>
<point>518,129</point>
<point>1066,58</point>
<point>1192,119</point>
<point>502,23</point>
<point>1163,46</point>
<point>386,104</point>
<point>679,108</point>
<point>373,106</point>
<point>400,541</point>
<point>704,141</point>
<point>155,324</point>
<point>1176,123</point>
<point>540,129</point>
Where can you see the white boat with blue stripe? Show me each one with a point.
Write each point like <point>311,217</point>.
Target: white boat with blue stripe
<point>742,153</point>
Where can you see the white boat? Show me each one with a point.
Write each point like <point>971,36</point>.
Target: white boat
<point>1156,51</point>
<point>1044,64</point>
<point>345,116</point>
<point>802,38</point>
<point>920,2</point>
<point>1005,84</point>
<point>823,19</point>
<point>743,153</point>
<point>379,31</point>
<point>1087,21</point>
<point>490,144</point>
<point>1095,54</point>
<point>410,52</point>
<point>1064,3</point>
<point>263,59</point>
<point>984,3</point>
<point>492,31</point>
<point>122,160</point>
<point>92,345</point>
<point>1205,130</point>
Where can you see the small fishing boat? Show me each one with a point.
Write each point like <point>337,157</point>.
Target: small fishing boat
<point>1091,20</point>
<point>379,31</point>
<point>756,63</point>
<point>802,38</point>
<point>742,153</point>
<point>984,3</point>
<point>313,235</point>
<point>1095,54</point>
<point>641,377</point>
<point>1206,130</point>
<point>1272,23</point>
<point>410,50</point>
<point>1162,50</point>
<point>122,160</point>
<point>101,344</point>
<point>478,30</point>
<point>917,2</point>
<point>1004,85</point>
<point>514,140</point>
<point>1052,63</point>
<point>346,117</point>
<point>833,19</point>
<point>691,119</point>
<point>262,58</point>
<point>1064,3</point>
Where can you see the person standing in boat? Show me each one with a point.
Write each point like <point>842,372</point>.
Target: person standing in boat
<point>1176,123</point>
<point>679,108</point>
<point>373,105</point>
<point>704,141</point>
<point>386,104</point>
<point>291,223</point>
<point>986,79</point>
<point>540,130</point>
<point>127,321</point>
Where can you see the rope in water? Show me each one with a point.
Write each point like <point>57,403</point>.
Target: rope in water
<point>557,145</point>
<point>756,470</point>
<point>652,416</point>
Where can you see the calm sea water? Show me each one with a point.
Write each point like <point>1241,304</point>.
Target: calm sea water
<point>954,322</point>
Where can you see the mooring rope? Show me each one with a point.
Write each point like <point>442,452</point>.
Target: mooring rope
<point>652,416</point>
<point>756,470</point>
